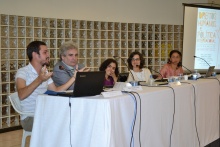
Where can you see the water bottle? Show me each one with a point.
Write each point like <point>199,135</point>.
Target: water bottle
<point>151,81</point>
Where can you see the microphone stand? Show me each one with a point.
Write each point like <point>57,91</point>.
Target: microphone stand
<point>125,65</point>
<point>202,59</point>
<point>161,80</point>
<point>187,69</point>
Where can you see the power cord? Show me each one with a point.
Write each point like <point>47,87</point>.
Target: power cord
<point>194,89</point>
<point>70,123</point>
<point>173,109</point>
<point>140,117</point>
<point>135,116</point>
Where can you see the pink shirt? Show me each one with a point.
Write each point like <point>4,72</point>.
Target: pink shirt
<point>167,71</point>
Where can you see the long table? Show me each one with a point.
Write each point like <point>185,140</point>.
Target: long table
<point>181,116</point>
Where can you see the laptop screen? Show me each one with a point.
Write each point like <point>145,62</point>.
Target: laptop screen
<point>88,83</point>
<point>210,70</point>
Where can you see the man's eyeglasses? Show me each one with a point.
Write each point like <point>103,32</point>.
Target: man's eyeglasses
<point>135,59</point>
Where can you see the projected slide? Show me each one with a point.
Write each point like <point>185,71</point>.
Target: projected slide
<point>201,37</point>
<point>207,38</point>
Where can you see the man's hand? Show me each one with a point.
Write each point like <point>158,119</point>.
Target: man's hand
<point>85,69</point>
<point>45,75</point>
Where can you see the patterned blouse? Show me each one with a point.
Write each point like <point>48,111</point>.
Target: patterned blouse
<point>168,71</point>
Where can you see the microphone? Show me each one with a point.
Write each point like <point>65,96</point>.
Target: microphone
<point>122,60</point>
<point>62,68</point>
<point>187,69</point>
<point>202,59</point>
<point>161,80</point>
<point>126,66</point>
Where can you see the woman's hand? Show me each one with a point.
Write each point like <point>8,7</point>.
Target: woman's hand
<point>114,77</point>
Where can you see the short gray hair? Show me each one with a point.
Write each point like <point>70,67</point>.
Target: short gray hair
<point>66,46</point>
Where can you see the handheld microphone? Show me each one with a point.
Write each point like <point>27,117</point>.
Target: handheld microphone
<point>202,59</point>
<point>125,65</point>
<point>187,69</point>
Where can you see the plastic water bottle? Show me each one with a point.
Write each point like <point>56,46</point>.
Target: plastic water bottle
<point>151,81</point>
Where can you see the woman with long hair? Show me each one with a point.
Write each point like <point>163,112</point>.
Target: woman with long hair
<point>110,66</point>
<point>173,66</point>
<point>136,66</point>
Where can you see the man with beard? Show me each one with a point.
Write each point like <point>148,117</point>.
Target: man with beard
<point>34,79</point>
<point>68,64</point>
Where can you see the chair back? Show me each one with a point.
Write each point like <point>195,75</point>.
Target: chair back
<point>122,77</point>
<point>16,103</point>
<point>14,99</point>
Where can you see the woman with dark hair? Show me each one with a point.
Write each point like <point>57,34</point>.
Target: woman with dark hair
<point>173,66</point>
<point>136,66</point>
<point>110,66</point>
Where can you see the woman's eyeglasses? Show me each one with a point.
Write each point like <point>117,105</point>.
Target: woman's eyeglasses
<point>135,59</point>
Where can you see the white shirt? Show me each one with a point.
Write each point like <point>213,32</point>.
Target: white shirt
<point>29,74</point>
<point>144,75</point>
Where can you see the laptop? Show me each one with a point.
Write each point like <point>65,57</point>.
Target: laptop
<point>86,84</point>
<point>209,72</point>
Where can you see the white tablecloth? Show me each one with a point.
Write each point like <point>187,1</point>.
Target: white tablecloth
<point>107,122</point>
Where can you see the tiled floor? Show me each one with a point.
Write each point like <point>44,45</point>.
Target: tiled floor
<point>12,139</point>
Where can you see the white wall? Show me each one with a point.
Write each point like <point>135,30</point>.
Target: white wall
<point>138,11</point>
<point>217,2</point>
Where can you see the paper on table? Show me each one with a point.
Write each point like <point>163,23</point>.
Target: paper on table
<point>111,93</point>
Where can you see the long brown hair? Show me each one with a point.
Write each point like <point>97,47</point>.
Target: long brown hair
<point>179,53</point>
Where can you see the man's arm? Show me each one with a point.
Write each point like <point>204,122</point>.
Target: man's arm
<point>24,91</point>
<point>60,77</point>
<point>62,87</point>
<point>67,84</point>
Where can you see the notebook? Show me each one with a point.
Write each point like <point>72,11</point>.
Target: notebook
<point>86,84</point>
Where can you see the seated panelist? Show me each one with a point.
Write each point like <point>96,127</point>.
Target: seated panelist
<point>110,66</point>
<point>173,66</point>
<point>35,79</point>
<point>68,64</point>
<point>136,66</point>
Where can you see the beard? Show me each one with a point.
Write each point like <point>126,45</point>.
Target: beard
<point>47,63</point>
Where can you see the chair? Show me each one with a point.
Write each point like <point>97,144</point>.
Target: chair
<point>14,99</point>
<point>122,77</point>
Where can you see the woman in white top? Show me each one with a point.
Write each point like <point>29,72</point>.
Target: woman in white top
<point>136,66</point>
